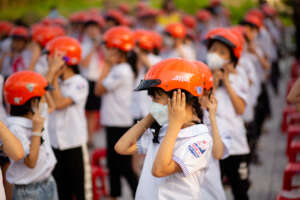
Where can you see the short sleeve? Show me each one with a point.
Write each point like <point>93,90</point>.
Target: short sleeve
<point>143,142</point>
<point>78,91</point>
<point>115,78</point>
<point>225,136</point>
<point>241,87</point>
<point>194,154</point>
<point>22,138</point>
<point>85,49</point>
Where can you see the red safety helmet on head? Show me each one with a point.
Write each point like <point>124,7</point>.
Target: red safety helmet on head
<point>158,39</point>
<point>124,8</point>
<point>256,12</point>
<point>239,32</point>
<point>189,21</point>
<point>203,15</point>
<point>174,73</point>
<point>226,36</point>
<point>5,27</point>
<point>79,17</point>
<point>96,18</point>
<point>252,20</point>
<point>19,31</point>
<point>24,85</point>
<point>215,3</point>
<point>176,30</point>
<point>268,10</point>
<point>147,12</point>
<point>67,45</point>
<point>144,39</point>
<point>206,74</point>
<point>44,34</point>
<point>120,37</point>
<point>115,14</point>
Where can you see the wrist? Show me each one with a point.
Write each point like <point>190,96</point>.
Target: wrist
<point>37,133</point>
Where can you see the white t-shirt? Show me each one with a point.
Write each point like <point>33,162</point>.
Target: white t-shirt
<point>187,50</point>
<point>234,121</point>
<point>192,152</point>
<point>212,188</point>
<point>116,103</point>
<point>20,62</point>
<point>5,45</point>
<point>3,114</point>
<point>93,70</point>
<point>141,101</point>
<point>42,65</point>
<point>18,172</point>
<point>68,127</point>
<point>2,192</point>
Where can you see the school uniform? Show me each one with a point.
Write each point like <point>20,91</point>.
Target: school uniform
<point>192,152</point>
<point>235,167</point>
<point>30,183</point>
<point>41,65</point>
<point>68,134</point>
<point>141,101</point>
<point>19,62</point>
<point>92,73</point>
<point>116,117</point>
<point>212,188</point>
<point>187,50</point>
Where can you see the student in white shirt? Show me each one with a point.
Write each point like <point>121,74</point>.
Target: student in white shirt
<point>178,151</point>
<point>224,51</point>
<point>91,67</point>
<point>67,124</point>
<point>212,188</point>
<point>31,175</point>
<point>115,87</point>
<point>18,57</point>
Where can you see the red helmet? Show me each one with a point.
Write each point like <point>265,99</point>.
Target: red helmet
<point>79,17</point>
<point>253,20</point>
<point>124,8</point>
<point>268,10</point>
<point>227,37</point>
<point>44,34</point>
<point>203,15</point>
<point>24,85</point>
<point>96,18</point>
<point>239,31</point>
<point>176,30</point>
<point>19,31</point>
<point>215,2</point>
<point>147,12</point>
<point>206,73</point>
<point>158,39</point>
<point>257,13</point>
<point>189,21</point>
<point>5,27</point>
<point>120,37</point>
<point>174,73</point>
<point>115,14</point>
<point>68,45</point>
<point>144,39</point>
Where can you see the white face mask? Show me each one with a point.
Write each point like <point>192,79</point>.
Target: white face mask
<point>159,112</point>
<point>214,61</point>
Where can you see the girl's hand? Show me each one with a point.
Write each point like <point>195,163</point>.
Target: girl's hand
<point>37,121</point>
<point>56,61</point>
<point>177,108</point>
<point>212,105</point>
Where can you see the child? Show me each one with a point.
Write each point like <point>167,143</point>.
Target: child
<point>176,156</point>
<point>18,57</point>
<point>224,51</point>
<point>91,66</point>
<point>67,124</point>
<point>115,86</point>
<point>213,189</point>
<point>31,176</point>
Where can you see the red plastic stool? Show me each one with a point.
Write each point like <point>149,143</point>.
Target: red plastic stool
<point>295,69</point>
<point>288,195</point>
<point>99,174</point>
<point>290,171</point>
<point>293,131</point>
<point>294,149</point>
<point>285,113</point>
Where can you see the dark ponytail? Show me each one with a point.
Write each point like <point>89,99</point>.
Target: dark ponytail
<point>132,59</point>
<point>197,108</point>
<point>155,128</point>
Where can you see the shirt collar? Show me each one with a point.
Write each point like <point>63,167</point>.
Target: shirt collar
<point>21,121</point>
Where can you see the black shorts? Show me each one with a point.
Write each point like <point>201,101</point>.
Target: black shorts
<point>93,102</point>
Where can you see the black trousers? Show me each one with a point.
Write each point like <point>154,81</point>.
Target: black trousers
<point>118,165</point>
<point>69,174</point>
<point>235,168</point>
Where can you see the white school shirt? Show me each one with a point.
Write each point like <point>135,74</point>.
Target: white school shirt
<point>21,62</point>
<point>2,192</point>
<point>116,102</point>
<point>18,172</point>
<point>41,65</point>
<point>192,152</point>
<point>68,127</point>
<point>5,45</point>
<point>3,114</point>
<point>212,188</point>
<point>234,121</point>
<point>141,101</point>
<point>93,70</point>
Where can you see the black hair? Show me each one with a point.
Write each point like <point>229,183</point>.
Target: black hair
<point>131,59</point>
<point>114,20</point>
<point>232,56</point>
<point>91,23</point>
<point>190,100</point>
<point>156,51</point>
<point>22,110</point>
<point>74,68</point>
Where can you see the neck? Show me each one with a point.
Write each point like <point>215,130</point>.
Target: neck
<point>68,74</point>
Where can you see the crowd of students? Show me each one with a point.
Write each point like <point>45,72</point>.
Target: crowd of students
<point>184,94</point>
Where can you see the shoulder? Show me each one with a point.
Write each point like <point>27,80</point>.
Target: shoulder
<point>122,69</point>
